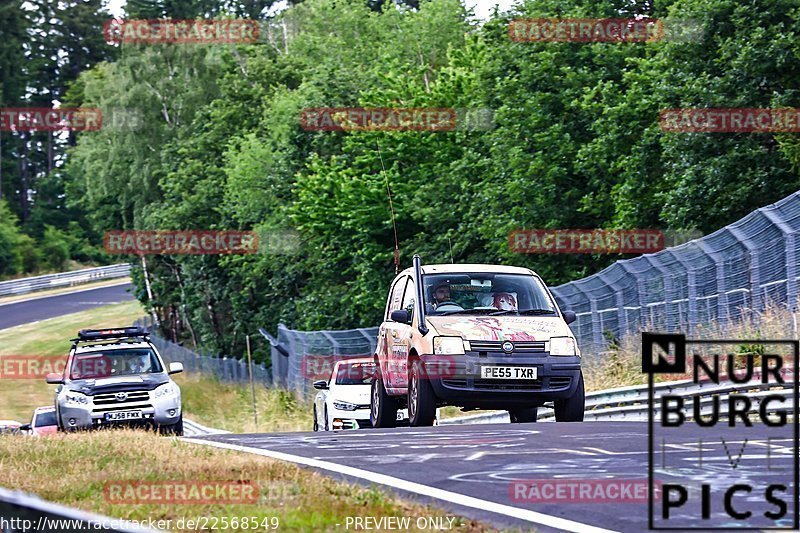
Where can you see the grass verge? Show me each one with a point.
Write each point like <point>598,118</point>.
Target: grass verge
<point>19,397</point>
<point>74,469</point>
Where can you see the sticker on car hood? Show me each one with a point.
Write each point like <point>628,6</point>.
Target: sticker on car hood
<point>495,328</point>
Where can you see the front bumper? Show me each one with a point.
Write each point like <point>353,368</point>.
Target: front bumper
<point>156,412</point>
<point>341,419</point>
<point>360,418</point>
<point>456,379</point>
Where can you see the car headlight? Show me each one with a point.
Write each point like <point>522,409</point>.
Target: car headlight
<point>448,346</point>
<point>345,406</point>
<point>170,389</point>
<point>76,399</point>
<point>563,346</point>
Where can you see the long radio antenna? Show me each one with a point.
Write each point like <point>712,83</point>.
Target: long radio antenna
<point>391,208</point>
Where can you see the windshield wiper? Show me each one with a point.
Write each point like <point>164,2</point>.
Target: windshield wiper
<point>504,312</point>
<point>537,312</point>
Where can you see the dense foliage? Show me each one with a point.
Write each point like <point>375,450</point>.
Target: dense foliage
<point>576,144</point>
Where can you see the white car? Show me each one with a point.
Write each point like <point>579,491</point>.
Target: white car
<point>343,400</point>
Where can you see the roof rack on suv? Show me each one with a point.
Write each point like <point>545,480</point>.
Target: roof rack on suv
<point>89,335</point>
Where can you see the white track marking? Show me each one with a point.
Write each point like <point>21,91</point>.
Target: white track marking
<point>417,488</point>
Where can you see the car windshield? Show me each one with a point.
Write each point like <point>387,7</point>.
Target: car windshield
<point>109,363</point>
<point>46,418</point>
<point>486,294</point>
<point>355,373</point>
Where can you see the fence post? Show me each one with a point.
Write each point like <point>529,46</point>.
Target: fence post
<point>789,259</point>
<point>597,325</point>
<point>722,286</point>
<point>619,299</point>
<point>791,272</point>
<point>754,270</point>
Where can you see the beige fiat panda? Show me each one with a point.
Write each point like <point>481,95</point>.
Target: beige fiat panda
<point>477,337</point>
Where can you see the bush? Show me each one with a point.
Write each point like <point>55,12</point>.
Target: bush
<point>11,260</point>
<point>55,248</point>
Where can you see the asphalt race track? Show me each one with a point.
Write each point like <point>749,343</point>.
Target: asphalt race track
<point>15,314</point>
<point>482,461</point>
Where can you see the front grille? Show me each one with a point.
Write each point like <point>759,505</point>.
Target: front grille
<point>560,382</point>
<point>108,402</point>
<point>111,399</point>
<point>554,383</point>
<point>497,346</point>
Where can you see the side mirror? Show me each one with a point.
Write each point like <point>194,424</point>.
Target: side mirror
<point>25,427</point>
<point>570,316</point>
<point>175,368</point>
<point>321,384</point>
<point>54,378</point>
<point>400,315</point>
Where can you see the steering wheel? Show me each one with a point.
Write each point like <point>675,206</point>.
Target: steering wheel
<point>448,303</point>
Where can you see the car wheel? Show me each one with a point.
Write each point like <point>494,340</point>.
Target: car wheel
<point>421,399</point>
<point>175,429</point>
<point>327,426</point>
<point>316,423</point>
<point>383,408</point>
<point>571,409</point>
<point>520,416</point>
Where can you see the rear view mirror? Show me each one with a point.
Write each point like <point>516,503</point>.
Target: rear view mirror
<point>175,368</point>
<point>569,316</point>
<point>54,378</point>
<point>321,384</point>
<point>400,315</point>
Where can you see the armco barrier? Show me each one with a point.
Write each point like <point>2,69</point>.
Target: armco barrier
<point>65,279</point>
<point>631,403</point>
<point>23,513</point>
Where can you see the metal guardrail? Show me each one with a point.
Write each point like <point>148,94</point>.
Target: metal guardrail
<point>23,513</point>
<point>630,403</point>
<point>65,279</point>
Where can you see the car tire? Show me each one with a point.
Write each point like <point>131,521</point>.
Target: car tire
<point>175,429</point>
<point>421,399</point>
<point>571,409</point>
<point>383,408</point>
<point>316,423</point>
<point>327,425</point>
<point>521,416</point>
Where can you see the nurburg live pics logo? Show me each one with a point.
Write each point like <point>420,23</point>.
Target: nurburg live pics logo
<point>725,452</point>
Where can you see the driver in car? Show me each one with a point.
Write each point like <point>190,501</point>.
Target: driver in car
<point>441,294</point>
<point>139,364</point>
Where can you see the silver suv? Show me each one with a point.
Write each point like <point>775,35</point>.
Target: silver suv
<point>116,377</point>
